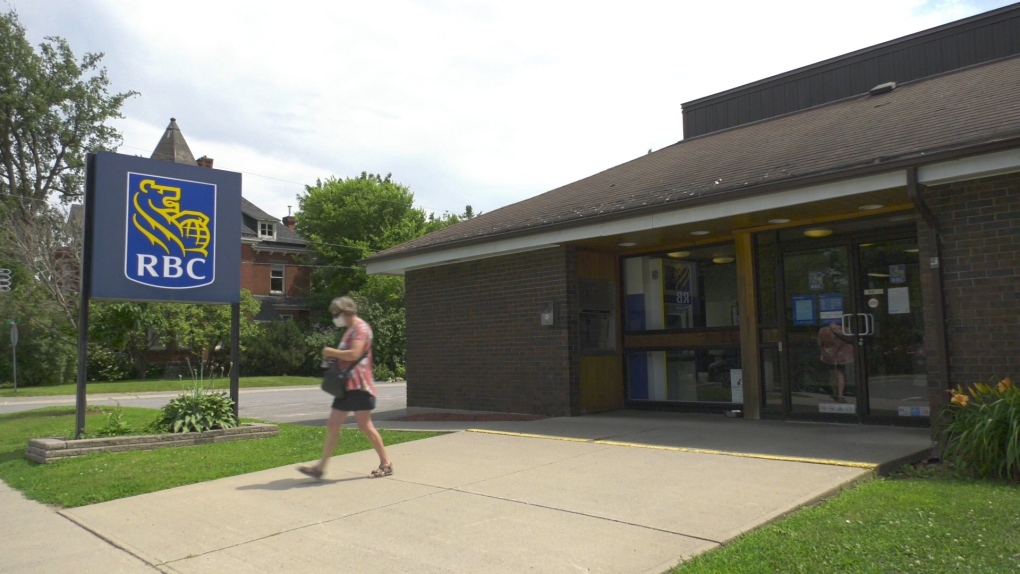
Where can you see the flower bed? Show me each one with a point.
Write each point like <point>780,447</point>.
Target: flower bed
<point>44,450</point>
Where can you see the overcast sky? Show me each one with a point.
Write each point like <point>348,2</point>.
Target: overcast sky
<point>480,103</point>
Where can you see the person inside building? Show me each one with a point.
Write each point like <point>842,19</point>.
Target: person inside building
<point>356,345</point>
<point>837,351</point>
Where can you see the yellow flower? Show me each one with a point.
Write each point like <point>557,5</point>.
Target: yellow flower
<point>961,400</point>
<point>1004,385</point>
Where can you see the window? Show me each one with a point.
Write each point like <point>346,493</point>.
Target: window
<point>276,279</point>
<point>685,375</point>
<point>267,230</point>
<point>681,290</point>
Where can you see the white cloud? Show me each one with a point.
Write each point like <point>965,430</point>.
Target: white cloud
<point>464,102</point>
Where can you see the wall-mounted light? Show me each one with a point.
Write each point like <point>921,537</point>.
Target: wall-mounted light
<point>723,259</point>
<point>871,206</point>
<point>700,232</point>
<point>818,232</point>
<point>678,254</point>
<point>627,244</point>
<point>779,220</point>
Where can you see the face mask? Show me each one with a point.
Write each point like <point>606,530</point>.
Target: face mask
<point>339,321</point>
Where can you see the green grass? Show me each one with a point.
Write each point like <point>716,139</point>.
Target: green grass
<point>146,386</point>
<point>884,526</point>
<point>108,476</point>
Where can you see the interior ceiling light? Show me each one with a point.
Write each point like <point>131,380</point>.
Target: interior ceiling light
<point>902,218</point>
<point>867,244</point>
<point>871,206</point>
<point>700,233</point>
<point>911,250</point>
<point>678,254</point>
<point>779,220</point>
<point>881,275</point>
<point>819,232</point>
<point>722,259</point>
<point>627,244</point>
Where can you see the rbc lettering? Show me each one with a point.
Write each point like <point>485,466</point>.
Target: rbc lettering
<point>147,265</point>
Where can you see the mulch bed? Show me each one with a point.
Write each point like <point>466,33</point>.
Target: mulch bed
<point>460,417</point>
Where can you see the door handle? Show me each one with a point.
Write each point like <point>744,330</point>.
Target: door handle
<point>845,324</point>
<point>869,324</point>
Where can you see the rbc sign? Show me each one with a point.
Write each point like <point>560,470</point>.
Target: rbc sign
<point>163,231</point>
<point>171,226</point>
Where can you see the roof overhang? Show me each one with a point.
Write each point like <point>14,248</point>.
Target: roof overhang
<point>965,168</point>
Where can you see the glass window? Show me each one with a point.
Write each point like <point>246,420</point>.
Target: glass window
<point>276,279</point>
<point>685,375</point>
<point>267,230</point>
<point>683,289</point>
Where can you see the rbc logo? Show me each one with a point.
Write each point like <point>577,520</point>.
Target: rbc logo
<point>170,232</point>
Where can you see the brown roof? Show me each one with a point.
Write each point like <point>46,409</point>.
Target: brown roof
<point>958,110</point>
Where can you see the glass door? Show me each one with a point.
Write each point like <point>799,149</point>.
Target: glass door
<point>853,338</point>
<point>890,328</point>
<point>821,354</point>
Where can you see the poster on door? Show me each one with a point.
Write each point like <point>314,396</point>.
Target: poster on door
<point>830,306</point>
<point>737,386</point>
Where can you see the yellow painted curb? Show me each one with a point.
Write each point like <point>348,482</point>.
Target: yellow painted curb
<point>526,435</point>
<point>830,462</point>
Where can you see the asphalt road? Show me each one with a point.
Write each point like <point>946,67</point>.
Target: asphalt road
<point>304,405</point>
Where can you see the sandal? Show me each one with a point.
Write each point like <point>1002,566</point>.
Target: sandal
<point>310,471</point>
<point>383,470</point>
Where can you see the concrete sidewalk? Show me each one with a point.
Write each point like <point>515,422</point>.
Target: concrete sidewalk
<point>623,492</point>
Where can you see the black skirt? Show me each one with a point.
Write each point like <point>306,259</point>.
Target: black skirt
<point>355,401</point>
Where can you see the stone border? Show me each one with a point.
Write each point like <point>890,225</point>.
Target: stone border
<point>44,450</point>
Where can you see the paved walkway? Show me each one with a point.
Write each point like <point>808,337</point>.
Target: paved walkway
<point>621,492</point>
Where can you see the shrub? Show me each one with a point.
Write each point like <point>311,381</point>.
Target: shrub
<point>108,365</point>
<point>983,434</point>
<point>198,411</point>
<point>315,340</point>
<point>278,349</point>
<point>115,424</point>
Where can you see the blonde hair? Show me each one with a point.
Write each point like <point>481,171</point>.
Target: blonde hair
<point>344,305</point>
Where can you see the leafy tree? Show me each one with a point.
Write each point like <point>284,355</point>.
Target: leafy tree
<point>346,220</point>
<point>53,110</point>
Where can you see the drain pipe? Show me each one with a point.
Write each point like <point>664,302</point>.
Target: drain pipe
<point>940,345</point>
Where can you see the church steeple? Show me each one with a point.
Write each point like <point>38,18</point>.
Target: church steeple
<point>172,146</point>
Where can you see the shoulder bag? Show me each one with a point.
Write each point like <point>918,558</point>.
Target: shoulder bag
<point>334,379</point>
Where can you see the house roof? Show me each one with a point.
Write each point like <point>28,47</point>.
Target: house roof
<point>172,146</point>
<point>951,112</point>
<point>284,236</point>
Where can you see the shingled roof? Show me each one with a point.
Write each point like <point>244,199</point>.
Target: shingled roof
<point>952,112</point>
<point>172,147</point>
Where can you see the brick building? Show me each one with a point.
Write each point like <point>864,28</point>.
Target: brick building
<point>271,251</point>
<point>873,199</point>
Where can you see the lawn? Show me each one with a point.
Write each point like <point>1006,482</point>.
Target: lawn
<point>146,386</point>
<point>108,476</point>
<point>923,525</point>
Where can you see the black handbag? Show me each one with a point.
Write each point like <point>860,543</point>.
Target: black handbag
<point>334,379</point>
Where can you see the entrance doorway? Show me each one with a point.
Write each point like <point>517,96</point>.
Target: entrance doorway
<point>853,332</point>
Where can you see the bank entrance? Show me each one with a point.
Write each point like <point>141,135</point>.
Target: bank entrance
<point>847,342</point>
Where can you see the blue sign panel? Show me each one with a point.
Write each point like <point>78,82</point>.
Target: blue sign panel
<point>171,232</point>
<point>164,231</point>
<point>804,310</point>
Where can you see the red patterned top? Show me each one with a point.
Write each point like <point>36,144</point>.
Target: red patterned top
<point>361,375</point>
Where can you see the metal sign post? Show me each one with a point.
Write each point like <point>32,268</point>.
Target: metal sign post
<point>14,352</point>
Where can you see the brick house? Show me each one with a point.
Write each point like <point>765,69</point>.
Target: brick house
<point>271,252</point>
<point>875,194</point>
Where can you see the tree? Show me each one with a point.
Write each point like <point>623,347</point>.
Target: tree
<point>347,220</point>
<point>53,110</point>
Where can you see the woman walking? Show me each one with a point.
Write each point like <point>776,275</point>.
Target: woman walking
<point>360,396</point>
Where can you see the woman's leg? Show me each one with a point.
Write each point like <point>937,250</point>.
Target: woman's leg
<point>336,420</point>
<point>364,419</point>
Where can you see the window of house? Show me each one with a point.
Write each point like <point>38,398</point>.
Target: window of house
<point>685,289</point>
<point>267,230</point>
<point>276,279</point>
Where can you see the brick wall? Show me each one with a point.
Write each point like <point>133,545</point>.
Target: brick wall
<point>979,225</point>
<point>475,340</point>
<point>256,267</point>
